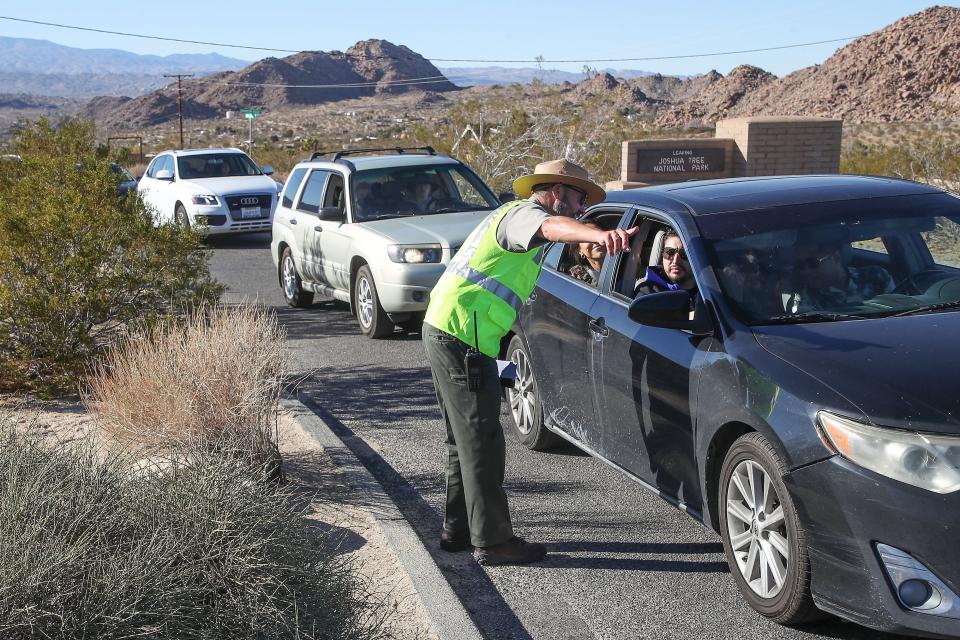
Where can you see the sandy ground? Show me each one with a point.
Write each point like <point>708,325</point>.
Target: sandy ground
<point>330,505</point>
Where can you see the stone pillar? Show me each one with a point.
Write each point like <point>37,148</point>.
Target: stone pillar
<point>783,145</point>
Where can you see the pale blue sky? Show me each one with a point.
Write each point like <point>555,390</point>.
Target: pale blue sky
<point>494,29</point>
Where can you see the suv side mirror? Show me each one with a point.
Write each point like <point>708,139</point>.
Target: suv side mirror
<point>507,196</point>
<point>331,214</point>
<point>267,170</point>
<point>164,174</point>
<point>671,310</point>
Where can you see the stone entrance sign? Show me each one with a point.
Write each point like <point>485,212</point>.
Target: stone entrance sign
<point>676,160</point>
<point>765,145</point>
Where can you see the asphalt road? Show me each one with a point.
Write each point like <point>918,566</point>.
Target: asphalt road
<point>622,563</point>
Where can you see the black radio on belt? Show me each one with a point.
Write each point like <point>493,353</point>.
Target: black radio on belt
<point>473,361</point>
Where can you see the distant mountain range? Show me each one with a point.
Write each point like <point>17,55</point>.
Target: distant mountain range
<point>26,55</point>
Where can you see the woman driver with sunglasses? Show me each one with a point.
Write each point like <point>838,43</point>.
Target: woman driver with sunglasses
<point>674,274</point>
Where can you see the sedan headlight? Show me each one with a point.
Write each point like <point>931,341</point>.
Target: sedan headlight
<point>928,461</point>
<point>207,200</point>
<point>415,254</point>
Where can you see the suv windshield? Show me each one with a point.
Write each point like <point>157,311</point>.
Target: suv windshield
<point>216,165</point>
<point>839,260</point>
<point>418,190</point>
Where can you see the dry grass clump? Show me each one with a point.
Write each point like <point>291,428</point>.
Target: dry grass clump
<point>213,378</point>
<point>193,550</point>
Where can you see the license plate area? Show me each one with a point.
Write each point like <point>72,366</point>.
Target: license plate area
<point>249,212</point>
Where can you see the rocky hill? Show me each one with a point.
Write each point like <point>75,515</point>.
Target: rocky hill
<point>370,67</point>
<point>909,70</point>
<point>717,99</point>
<point>623,94</point>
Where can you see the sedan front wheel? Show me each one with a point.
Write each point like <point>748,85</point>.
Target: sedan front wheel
<point>762,535</point>
<point>524,399</point>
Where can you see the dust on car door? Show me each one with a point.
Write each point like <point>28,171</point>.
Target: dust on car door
<point>305,220</point>
<point>647,380</point>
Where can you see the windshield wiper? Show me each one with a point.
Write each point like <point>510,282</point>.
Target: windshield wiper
<point>811,316</point>
<point>940,306</point>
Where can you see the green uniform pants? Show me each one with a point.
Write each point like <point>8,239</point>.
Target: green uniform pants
<point>476,501</point>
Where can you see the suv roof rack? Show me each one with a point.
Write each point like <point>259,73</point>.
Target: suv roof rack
<point>343,152</point>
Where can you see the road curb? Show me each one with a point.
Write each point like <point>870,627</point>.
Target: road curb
<point>447,614</point>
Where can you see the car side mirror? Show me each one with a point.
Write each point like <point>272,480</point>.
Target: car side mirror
<point>267,170</point>
<point>507,196</point>
<point>331,214</point>
<point>164,174</point>
<point>670,310</point>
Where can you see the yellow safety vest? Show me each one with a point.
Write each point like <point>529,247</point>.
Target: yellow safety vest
<point>486,282</point>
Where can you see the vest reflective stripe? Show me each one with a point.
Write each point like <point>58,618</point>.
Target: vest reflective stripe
<point>478,296</point>
<point>495,287</point>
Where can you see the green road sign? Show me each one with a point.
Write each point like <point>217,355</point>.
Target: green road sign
<point>252,113</point>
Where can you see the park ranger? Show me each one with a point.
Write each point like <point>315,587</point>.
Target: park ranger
<point>471,309</point>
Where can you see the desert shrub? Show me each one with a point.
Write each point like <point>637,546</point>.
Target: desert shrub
<point>78,265</point>
<point>199,549</point>
<point>213,377</point>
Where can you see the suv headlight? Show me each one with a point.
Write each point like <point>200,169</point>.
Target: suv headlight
<point>207,200</point>
<point>415,254</point>
<point>928,461</point>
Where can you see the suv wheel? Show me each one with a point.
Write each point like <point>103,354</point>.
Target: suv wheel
<point>524,398</point>
<point>291,283</point>
<point>373,320</point>
<point>761,532</point>
<point>180,217</point>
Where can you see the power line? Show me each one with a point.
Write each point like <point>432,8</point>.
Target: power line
<point>471,60</point>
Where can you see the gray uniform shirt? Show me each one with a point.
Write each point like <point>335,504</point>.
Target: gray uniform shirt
<point>518,229</point>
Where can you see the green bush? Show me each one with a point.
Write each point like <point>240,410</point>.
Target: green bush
<point>78,265</point>
<point>198,549</point>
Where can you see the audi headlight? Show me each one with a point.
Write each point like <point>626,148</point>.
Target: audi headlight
<point>928,461</point>
<point>415,254</point>
<point>207,200</point>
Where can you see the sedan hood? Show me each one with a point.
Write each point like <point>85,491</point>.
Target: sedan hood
<point>235,184</point>
<point>447,229</point>
<point>901,372</point>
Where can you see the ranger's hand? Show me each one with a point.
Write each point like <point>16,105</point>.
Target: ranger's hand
<point>617,240</point>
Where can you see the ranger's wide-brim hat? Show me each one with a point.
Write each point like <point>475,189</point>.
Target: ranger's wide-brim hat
<point>564,172</point>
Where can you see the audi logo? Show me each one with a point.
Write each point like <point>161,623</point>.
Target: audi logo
<point>244,201</point>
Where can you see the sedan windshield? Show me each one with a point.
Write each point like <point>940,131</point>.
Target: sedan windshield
<point>418,190</point>
<point>850,260</point>
<point>216,165</point>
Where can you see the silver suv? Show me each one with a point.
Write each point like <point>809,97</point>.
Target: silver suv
<point>374,230</point>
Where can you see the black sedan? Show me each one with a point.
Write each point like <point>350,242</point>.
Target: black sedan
<point>796,395</point>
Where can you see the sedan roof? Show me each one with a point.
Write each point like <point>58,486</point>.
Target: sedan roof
<point>706,197</point>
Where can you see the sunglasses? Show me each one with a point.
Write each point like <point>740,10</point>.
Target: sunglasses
<point>583,196</point>
<point>670,252</point>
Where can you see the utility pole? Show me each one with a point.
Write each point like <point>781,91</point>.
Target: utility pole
<point>179,76</point>
<point>251,114</point>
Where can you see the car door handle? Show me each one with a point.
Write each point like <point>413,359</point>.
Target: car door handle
<point>317,228</point>
<point>599,327</point>
<point>293,221</point>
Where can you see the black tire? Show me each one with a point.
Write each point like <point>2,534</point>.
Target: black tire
<point>526,411</point>
<point>290,282</point>
<point>764,539</point>
<point>180,217</point>
<point>373,320</point>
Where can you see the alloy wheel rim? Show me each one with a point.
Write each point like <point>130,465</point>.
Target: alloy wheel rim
<point>364,302</point>
<point>289,278</point>
<point>757,529</point>
<point>522,395</point>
